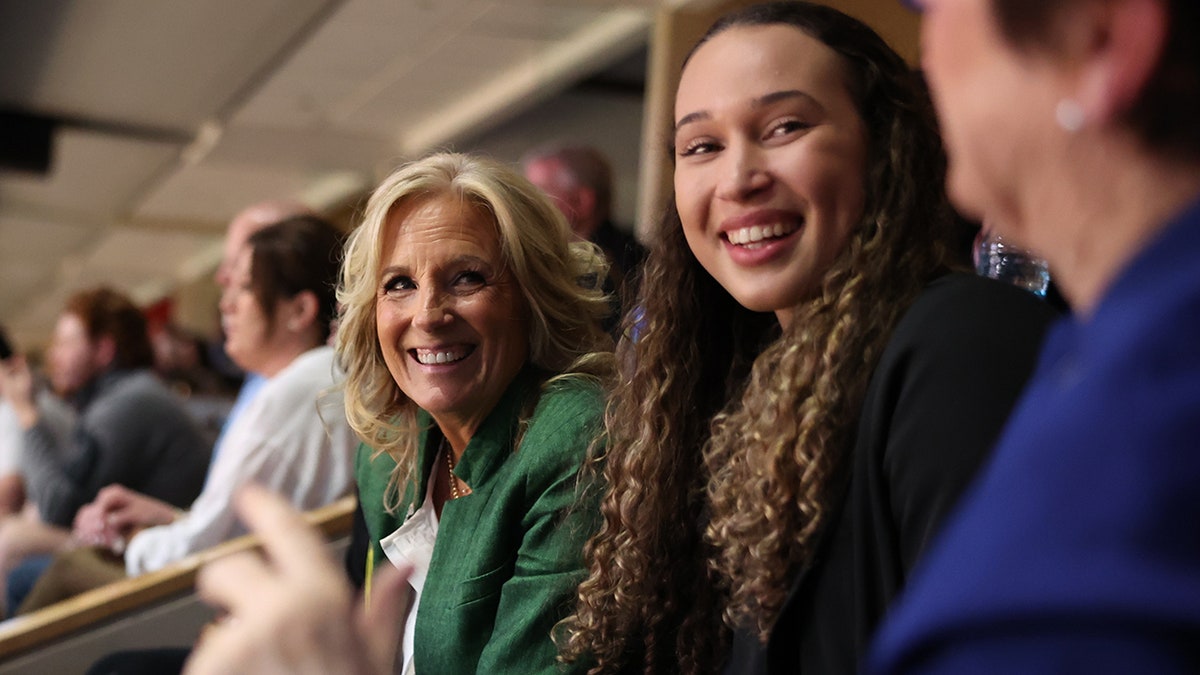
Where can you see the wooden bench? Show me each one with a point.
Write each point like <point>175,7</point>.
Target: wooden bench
<point>159,609</point>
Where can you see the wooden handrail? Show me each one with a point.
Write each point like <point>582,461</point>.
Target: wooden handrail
<point>23,633</point>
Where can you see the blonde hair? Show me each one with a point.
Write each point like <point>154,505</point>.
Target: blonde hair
<point>558,279</point>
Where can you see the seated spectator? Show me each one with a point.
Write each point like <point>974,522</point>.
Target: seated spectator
<point>181,360</point>
<point>292,437</point>
<point>131,429</point>
<point>58,417</point>
<point>578,179</point>
<point>475,375</point>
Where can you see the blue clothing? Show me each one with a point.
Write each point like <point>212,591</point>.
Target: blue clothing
<point>1077,551</point>
<point>246,394</point>
<point>22,578</point>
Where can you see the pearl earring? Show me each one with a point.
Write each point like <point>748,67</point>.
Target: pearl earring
<point>1069,115</point>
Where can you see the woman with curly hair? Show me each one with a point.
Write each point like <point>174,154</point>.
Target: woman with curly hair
<point>813,383</point>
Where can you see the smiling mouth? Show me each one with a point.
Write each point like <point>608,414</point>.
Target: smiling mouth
<point>757,236</point>
<point>439,357</point>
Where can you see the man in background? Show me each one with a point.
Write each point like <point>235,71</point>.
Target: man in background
<point>54,412</point>
<point>248,221</point>
<point>578,178</point>
<point>131,429</point>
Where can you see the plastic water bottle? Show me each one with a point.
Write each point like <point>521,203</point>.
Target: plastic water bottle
<point>999,259</point>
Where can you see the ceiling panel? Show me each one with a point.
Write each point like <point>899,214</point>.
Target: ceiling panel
<point>213,192</point>
<point>312,150</point>
<point>178,114</point>
<point>31,253</point>
<point>181,64</point>
<point>362,48</point>
<point>110,258</point>
<point>94,177</point>
<point>535,20</point>
<point>31,239</point>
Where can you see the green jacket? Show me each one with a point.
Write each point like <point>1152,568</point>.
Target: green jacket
<point>509,555</point>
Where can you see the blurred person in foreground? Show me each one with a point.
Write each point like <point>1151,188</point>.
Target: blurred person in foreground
<point>130,430</point>
<point>475,375</point>
<point>1076,551</point>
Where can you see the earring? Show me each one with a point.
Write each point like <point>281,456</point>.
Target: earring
<point>1069,115</point>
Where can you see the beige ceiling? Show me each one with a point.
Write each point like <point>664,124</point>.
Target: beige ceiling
<point>176,113</point>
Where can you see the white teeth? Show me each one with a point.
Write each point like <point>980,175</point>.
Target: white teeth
<point>429,357</point>
<point>756,233</point>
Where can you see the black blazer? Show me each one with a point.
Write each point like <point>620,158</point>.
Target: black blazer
<point>936,403</point>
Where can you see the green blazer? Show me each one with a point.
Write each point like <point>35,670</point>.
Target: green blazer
<point>509,555</point>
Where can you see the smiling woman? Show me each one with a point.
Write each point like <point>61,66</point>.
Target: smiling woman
<point>476,371</point>
<point>813,382</point>
<point>451,321</point>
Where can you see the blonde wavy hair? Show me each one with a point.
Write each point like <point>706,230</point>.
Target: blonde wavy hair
<point>558,279</point>
<point>726,436</point>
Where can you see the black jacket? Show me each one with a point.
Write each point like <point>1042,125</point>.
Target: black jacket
<point>936,403</point>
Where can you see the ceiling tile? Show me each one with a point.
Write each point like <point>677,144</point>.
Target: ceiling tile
<point>215,192</point>
<point>183,64</point>
<point>94,177</point>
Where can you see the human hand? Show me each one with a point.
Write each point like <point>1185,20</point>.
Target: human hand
<point>116,514</point>
<point>292,610</point>
<point>16,385</point>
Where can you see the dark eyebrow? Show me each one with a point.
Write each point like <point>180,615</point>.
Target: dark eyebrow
<point>760,102</point>
<point>692,117</point>
<point>777,96</point>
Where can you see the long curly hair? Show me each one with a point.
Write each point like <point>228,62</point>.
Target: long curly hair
<point>558,279</point>
<point>725,435</point>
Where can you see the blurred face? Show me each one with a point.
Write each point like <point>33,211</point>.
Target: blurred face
<point>240,230</point>
<point>72,356</point>
<point>996,108</point>
<point>248,332</point>
<point>770,156</point>
<point>451,321</point>
<point>552,177</point>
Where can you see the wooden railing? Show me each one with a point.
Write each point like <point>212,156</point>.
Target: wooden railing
<point>117,602</point>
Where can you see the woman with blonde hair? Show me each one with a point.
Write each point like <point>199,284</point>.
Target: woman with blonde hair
<point>476,370</point>
<point>813,383</point>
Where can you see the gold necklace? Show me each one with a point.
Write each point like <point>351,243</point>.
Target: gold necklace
<point>450,472</point>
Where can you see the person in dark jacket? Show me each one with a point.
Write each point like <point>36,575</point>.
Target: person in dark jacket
<point>130,429</point>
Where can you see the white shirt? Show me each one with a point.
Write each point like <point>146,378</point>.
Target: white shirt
<point>293,438</point>
<point>412,544</point>
<point>12,439</point>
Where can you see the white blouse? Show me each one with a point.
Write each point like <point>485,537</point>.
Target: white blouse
<point>412,544</point>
